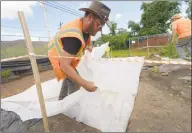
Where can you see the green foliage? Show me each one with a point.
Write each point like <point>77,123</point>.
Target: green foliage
<point>117,41</point>
<point>6,73</point>
<point>155,16</point>
<point>135,28</point>
<point>113,28</point>
<point>154,20</point>
<point>155,69</point>
<point>169,51</point>
<point>188,11</point>
<point>126,53</point>
<point>122,31</point>
<point>119,53</point>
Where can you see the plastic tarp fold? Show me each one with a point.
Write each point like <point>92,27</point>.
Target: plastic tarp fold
<point>108,109</point>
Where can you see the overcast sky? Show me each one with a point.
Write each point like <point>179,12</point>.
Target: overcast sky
<point>121,12</point>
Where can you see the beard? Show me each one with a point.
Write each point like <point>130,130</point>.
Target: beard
<point>91,29</point>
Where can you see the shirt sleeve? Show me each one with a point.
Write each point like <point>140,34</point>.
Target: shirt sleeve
<point>71,45</point>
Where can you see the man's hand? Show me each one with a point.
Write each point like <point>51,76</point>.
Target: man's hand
<point>89,48</point>
<point>89,86</point>
<point>70,72</point>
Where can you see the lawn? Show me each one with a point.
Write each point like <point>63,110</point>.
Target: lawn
<point>42,50</point>
<point>16,51</point>
<point>126,53</point>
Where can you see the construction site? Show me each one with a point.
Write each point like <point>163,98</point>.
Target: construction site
<point>142,83</point>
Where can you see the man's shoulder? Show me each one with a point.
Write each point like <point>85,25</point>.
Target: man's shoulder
<point>174,23</point>
<point>74,23</point>
<point>177,22</point>
<point>182,20</point>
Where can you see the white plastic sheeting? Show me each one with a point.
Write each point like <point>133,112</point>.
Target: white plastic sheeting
<point>107,109</point>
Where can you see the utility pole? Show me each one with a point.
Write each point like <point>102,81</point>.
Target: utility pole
<point>60,25</point>
<point>46,22</point>
<point>101,32</point>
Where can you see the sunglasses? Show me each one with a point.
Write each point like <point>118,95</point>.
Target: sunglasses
<point>100,25</point>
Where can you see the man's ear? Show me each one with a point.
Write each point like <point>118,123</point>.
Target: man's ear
<point>90,16</point>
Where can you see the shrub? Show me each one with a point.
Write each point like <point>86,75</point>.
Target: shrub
<point>169,51</point>
<point>6,73</point>
<point>116,42</point>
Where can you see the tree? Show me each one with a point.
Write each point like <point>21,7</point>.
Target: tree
<point>188,11</point>
<point>113,28</point>
<point>156,15</point>
<point>122,31</point>
<point>135,28</point>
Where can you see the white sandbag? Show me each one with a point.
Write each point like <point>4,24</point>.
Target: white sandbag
<point>98,52</point>
<point>107,109</point>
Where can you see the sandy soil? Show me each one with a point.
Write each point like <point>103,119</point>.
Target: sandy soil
<point>163,104</point>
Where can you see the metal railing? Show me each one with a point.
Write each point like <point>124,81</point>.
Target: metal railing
<point>148,42</point>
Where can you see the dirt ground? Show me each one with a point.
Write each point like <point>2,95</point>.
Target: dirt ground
<point>163,104</point>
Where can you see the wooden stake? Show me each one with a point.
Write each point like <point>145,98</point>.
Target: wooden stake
<point>34,68</point>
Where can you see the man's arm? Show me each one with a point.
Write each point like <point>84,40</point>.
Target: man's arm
<point>174,33</point>
<point>70,50</point>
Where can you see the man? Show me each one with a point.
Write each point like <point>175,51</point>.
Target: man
<point>69,44</point>
<point>182,27</point>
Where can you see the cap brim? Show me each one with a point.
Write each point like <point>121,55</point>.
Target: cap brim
<point>109,24</point>
<point>88,9</point>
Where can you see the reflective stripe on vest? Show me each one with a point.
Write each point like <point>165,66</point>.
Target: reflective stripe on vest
<point>55,44</point>
<point>71,30</point>
<point>65,32</point>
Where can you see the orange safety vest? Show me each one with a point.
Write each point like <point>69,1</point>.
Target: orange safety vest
<point>55,47</point>
<point>182,27</point>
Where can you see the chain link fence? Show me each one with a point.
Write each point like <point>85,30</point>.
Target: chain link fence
<point>149,43</point>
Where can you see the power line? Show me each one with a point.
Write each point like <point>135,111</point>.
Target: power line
<point>60,24</point>
<point>20,28</point>
<point>63,6</point>
<point>61,9</point>
<point>50,12</point>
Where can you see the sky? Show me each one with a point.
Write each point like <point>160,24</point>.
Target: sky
<point>121,12</point>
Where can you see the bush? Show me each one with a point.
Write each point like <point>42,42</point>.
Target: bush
<point>169,51</point>
<point>155,69</point>
<point>116,42</point>
<point>6,73</point>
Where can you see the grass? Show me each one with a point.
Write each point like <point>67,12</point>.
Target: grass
<point>168,51</point>
<point>126,53</point>
<point>21,51</point>
<point>41,50</point>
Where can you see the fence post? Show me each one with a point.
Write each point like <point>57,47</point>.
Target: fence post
<point>35,69</point>
<point>129,47</point>
<point>147,46</point>
<point>138,42</point>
